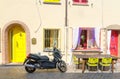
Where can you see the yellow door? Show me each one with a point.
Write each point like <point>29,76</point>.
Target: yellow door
<point>18,45</point>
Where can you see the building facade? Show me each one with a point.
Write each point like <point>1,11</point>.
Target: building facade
<point>32,26</point>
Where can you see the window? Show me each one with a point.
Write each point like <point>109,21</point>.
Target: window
<point>51,39</point>
<point>86,38</point>
<point>52,1</point>
<point>80,1</point>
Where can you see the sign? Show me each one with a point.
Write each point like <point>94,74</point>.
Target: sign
<point>52,1</point>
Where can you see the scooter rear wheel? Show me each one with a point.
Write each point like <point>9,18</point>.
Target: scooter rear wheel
<point>30,69</point>
<point>62,66</point>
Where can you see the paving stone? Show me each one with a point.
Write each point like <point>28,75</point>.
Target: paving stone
<point>18,72</point>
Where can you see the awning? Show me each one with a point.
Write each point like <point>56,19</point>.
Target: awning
<point>113,27</point>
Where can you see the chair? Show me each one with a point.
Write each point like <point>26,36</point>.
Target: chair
<point>75,62</point>
<point>105,63</point>
<point>92,63</point>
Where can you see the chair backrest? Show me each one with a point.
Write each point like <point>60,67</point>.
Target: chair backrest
<point>93,60</point>
<point>75,59</point>
<point>106,60</point>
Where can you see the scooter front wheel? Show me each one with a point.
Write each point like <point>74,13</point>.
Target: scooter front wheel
<point>62,66</point>
<point>30,69</point>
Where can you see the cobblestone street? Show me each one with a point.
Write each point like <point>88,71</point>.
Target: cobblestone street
<point>18,72</point>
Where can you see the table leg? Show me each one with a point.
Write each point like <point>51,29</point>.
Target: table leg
<point>78,63</point>
<point>112,68</point>
<point>83,66</point>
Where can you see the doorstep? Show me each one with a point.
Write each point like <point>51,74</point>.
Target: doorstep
<point>13,64</point>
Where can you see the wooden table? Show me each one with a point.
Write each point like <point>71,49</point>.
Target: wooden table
<point>100,56</point>
<point>84,51</point>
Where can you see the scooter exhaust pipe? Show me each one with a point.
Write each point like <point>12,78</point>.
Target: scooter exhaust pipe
<point>29,65</point>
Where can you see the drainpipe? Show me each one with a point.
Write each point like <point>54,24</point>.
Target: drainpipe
<point>66,28</point>
<point>105,30</point>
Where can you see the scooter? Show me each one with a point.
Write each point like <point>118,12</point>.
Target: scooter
<point>34,61</point>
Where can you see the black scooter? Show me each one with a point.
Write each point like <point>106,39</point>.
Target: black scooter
<point>34,61</point>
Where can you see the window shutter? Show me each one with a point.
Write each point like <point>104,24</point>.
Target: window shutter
<point>76,0</point>
<point>80,1</point>
<point>84,1</point>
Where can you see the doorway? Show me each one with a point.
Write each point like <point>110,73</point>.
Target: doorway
<point>16,44</point>
<point>114,43</point>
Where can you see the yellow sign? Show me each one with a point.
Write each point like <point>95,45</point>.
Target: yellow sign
<point>52,1</point>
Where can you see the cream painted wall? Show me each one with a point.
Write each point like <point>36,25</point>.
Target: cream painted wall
<point>38,16</point>
<point>24,11</point>
<point>111,12</point>
<point>85,16</point>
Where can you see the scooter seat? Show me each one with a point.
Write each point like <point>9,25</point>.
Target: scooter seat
<point>44,58</point>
